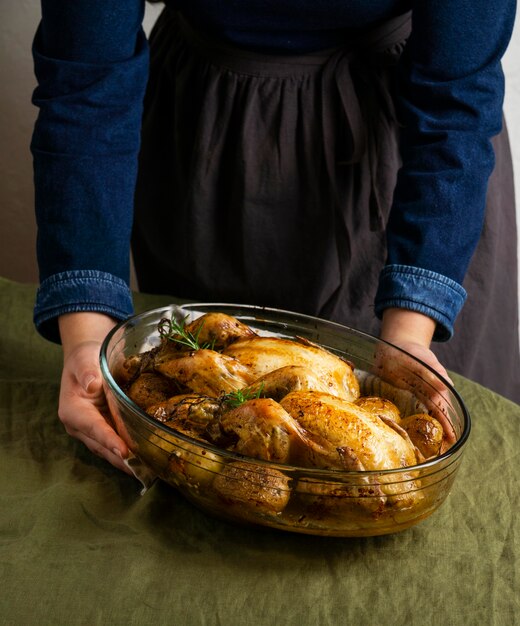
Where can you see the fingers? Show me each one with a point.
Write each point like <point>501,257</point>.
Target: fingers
<point>82,404</point>
<point>403,371</point>
<point>428,357</point>
<point>87,424</point>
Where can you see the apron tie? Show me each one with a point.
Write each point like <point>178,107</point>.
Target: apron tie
<point>362,129</point>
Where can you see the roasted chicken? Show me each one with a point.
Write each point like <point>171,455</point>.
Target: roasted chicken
<point>262,355</point>
<point>259,428</point>
<point>150,388</point>
<point>219,330</point>
<point>188,413</point>
<point>350,437</point>
<point>206,372</point>
<point>255,490</point>
<point>280,382</point>
<point>278,400</point>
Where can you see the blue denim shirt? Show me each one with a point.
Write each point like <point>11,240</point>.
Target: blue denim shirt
<point>91,63</point>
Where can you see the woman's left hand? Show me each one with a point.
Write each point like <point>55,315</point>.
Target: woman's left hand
<point>425,355</point>
<point>413,332</point>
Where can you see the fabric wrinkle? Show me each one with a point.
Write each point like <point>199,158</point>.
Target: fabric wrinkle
<point>344,180</point>
<point>278,188</point>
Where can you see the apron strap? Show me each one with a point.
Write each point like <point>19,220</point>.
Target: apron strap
<point>359,137</point>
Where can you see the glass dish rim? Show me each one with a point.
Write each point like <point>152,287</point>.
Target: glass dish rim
<point>233,456</point>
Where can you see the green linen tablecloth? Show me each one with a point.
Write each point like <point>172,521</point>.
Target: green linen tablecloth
<point>79,545</point>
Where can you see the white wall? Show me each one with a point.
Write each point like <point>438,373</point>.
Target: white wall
<point>18,21</point>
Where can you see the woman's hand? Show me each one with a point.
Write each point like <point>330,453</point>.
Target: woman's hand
<point>413,333</point>
<point>82,405</point>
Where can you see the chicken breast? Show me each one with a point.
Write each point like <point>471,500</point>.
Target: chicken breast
<point>352,437</point>
<point>280,382</point>
<point>262,355</point>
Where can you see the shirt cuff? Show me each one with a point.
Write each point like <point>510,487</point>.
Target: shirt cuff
<point>424,291</point>
<point>77,291</point>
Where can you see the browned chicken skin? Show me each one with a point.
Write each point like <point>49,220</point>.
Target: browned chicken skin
<point>345,436</point>
<point>383,408</point>
<point>355,438</point>
<point>253,489</point>
<point>219,330</point>
<point>188,413</point>
<point>425,432</point>
<point>150,388</point>
<point>206,372</point>
<point>283,401</point>
<point>364,435</point>
<point>262,355</point>
<point>258,428</point>
<point>280,382</point>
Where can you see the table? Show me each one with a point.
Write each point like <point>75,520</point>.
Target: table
<point>79,545</point>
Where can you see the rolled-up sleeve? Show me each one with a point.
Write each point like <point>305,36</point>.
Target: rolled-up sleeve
<point>423,291</point>
<point>91,65</point>
<point>451,90</point>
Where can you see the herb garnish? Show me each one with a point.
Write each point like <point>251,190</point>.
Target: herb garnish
<point>234,399</point>
<point>173,330</point>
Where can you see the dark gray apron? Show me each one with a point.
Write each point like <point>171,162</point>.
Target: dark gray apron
<point>268,180</point>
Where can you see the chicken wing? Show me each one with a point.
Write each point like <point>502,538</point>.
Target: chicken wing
<point>258,428</point>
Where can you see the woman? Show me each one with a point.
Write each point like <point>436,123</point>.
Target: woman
<point>332,158</point>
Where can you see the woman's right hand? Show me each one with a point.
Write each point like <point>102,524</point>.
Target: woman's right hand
<point>82,404</point>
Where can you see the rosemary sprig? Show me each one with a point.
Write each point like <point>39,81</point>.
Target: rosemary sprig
<point>173,330</point>
<point>234,399</point>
